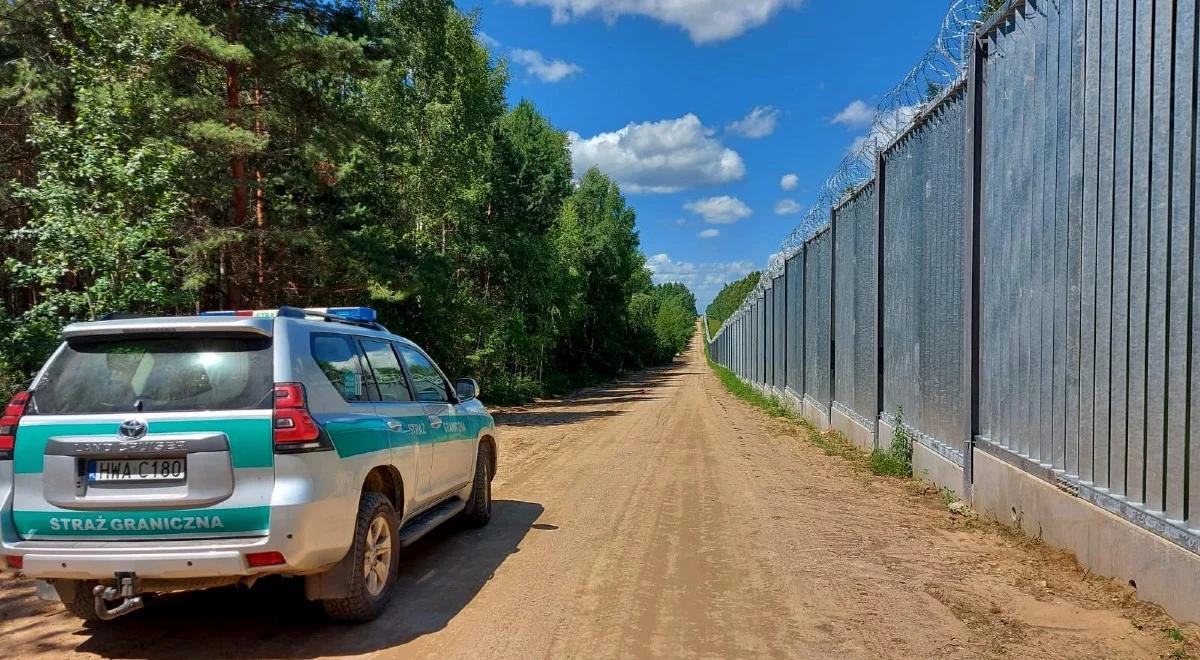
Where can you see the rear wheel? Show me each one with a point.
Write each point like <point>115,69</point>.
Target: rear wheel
<point>479,506</point>
<point>77,598</point>
<point>373,563</point>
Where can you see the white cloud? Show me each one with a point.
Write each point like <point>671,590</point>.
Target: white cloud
<point>706,21</point>
<point>787,207</point>
<point>487,39</point>
<point>723,210</point>
<point>758,124</point>
<point>709,233</point>
<point>680,221</point>
<point>789,181</point>
<point>659,157</point>
<point>704,279</point>
<point>856,115</point>
<point>549,71</point>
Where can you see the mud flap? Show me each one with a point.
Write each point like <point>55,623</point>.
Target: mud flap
<point>333,583</point>
<point>46,591</point>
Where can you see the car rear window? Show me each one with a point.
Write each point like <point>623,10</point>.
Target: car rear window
<point>157,374</point>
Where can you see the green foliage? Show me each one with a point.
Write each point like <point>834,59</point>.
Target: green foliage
<point>896,460</point>
<point>164,157</point>
<point>729,299</point>
<point>990,8</point>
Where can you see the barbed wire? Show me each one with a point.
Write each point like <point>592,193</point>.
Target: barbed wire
<point>942,66</point>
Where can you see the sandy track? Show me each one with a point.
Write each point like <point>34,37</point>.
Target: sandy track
<point>660,517</point>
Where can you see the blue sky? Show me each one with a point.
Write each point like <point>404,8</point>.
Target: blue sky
<point>699,108</point>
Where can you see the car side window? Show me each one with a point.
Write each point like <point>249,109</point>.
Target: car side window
<point>427,380</point>
<point>386,372</point>
<point>339,360</point>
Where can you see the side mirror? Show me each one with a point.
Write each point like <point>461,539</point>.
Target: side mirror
<point>466,389</point>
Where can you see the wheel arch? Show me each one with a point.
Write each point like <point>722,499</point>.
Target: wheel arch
<point>387,481</point>
<point>489,439</point>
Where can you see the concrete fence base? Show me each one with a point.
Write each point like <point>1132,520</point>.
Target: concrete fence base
<point>860,435</point>
<point>1162,572</point>
<point>928,465</point>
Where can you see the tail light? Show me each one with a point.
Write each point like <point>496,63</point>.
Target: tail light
<point>294,428</point>
<point>260,559</point>
<point>9,421</point>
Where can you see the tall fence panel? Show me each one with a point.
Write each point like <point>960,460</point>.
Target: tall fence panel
<point>769,336</point>
<point>780,329</point>
<point>794,274</point>
<point>818,323</point>
<point>854,296</point>
<point>923,329</point>
<point>1087,267</point>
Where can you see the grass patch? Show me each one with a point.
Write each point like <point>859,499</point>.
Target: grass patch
<point>1174,634</point>
<point>896,460</point>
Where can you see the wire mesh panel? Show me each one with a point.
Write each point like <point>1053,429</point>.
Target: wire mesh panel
<point>794,273</point>
<point>854,303</point>
<point>818,324</point>
<point>923,278</point>
<point>780,328</point>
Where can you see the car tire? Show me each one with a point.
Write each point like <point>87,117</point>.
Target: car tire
<point>77,598</point>
<point>479,506</point>
<point>376,541</point>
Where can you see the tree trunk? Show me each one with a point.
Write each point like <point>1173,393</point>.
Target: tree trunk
<point>260,202</point>
<point>237,166</point>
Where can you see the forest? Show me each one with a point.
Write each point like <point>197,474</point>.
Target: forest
<point>728,300</point>
<point>171,157</point>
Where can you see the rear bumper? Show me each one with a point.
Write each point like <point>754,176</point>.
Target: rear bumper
<point>311,525</point>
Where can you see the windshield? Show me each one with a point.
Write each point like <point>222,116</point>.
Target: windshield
<point>149,374</point>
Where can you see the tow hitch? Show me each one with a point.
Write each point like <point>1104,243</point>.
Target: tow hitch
<point>126,589</point>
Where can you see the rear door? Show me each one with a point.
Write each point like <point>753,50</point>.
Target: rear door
<point>156,436</point>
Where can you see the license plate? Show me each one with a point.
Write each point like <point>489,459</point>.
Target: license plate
<point>146,469</point>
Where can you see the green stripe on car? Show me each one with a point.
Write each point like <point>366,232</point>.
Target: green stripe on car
<point>185,522</point>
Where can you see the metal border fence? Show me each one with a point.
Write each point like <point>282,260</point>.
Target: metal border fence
<point>1016,268</point>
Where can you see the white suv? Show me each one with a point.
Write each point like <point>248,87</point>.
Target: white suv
<point>166,454</point>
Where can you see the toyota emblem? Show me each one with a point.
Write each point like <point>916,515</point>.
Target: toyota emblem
<point>132,429</point>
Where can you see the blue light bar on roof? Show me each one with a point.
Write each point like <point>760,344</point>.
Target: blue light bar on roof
<point>361,314</point>
<point>357,314</point>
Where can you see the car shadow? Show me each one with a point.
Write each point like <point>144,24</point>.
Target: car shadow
<point>438,577</point>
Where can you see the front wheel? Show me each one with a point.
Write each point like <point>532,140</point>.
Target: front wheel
<point>479,506</point>
<point>373,563</point>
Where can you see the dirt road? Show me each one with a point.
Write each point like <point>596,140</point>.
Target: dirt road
<point>660,517</point>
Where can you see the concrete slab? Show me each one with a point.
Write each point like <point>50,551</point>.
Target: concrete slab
<point>1163,572</point>
<point>862,436</point>
<point>815,414</point>
<point>928,465</point>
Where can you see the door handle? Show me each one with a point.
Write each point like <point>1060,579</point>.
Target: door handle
<point>435,421</point>
<point>396,426</point>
